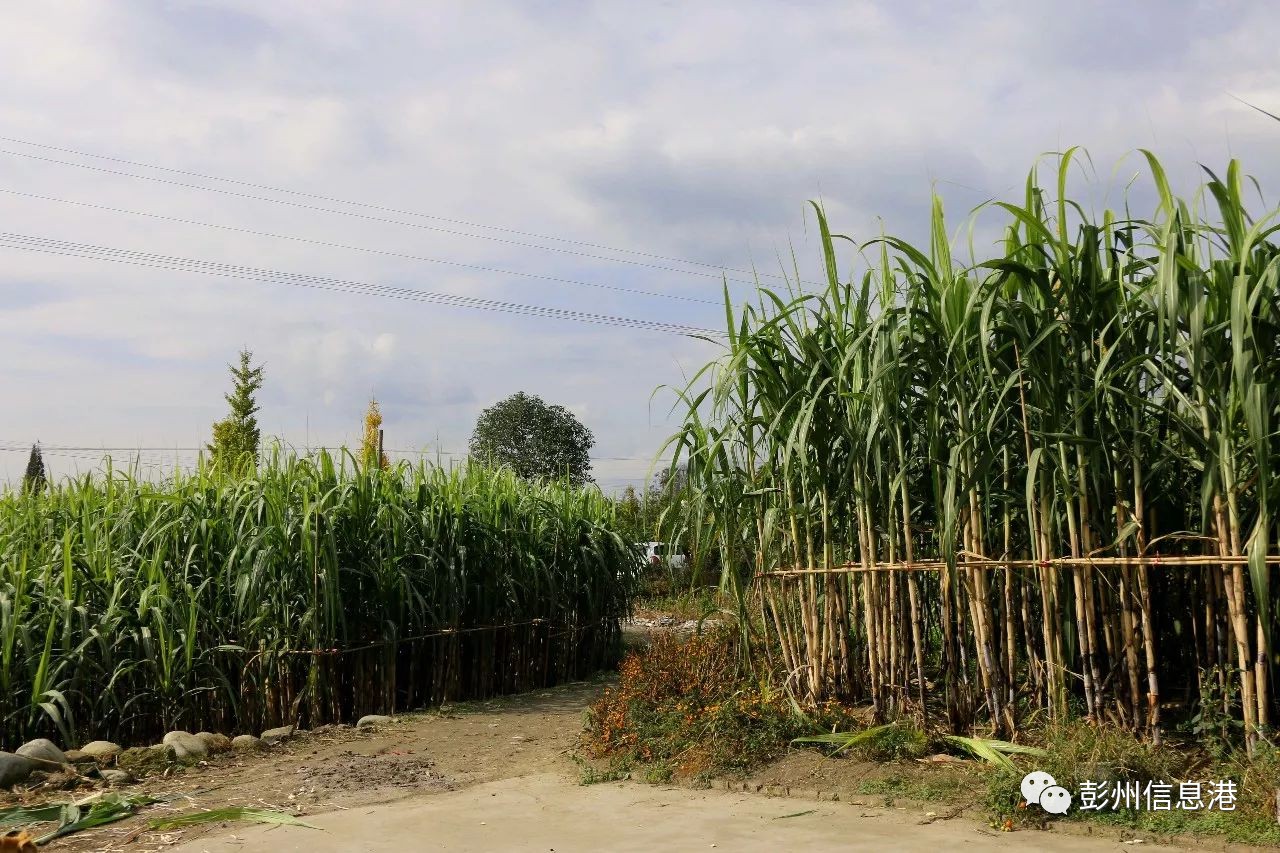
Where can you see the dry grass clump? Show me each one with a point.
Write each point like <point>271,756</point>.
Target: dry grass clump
<point>683,707</point>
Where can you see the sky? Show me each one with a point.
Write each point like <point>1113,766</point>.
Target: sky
<point>614,159</point>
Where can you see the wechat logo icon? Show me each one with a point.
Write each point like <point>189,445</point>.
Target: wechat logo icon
<point>1042,789</point>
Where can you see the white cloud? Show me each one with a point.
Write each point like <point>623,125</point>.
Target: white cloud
<point>694,130</point>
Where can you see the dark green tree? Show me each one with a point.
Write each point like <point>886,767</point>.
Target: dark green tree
<point>534,439</point>
<point>34,479</point>
<point>236,437</point>
<point>630,517</point>
<point>641,512</point>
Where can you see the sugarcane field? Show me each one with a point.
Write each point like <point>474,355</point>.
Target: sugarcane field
<point>604,427</point>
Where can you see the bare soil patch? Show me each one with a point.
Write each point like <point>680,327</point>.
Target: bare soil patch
<point>809,773</point>
<point>499,776</point>
<point>340,768</point>
<point>354,771</point>
<point>546,812</point>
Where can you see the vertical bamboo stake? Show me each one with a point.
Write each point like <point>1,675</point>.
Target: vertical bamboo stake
<point>869,606</point>
<point>913,594</point>
<point>1228,545</point>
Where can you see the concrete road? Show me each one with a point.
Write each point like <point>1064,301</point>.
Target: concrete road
<point>546,812</point>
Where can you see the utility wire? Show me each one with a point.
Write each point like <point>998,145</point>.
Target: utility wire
<point>384,252</point>
<point>89,457</point>
<point>163,460</point>
<point>382,208</point>
<point>17,445</point>
<point>372,218</point>
<point>152,260</point>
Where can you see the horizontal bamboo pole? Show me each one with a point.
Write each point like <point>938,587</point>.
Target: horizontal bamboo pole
<point>443,632</point>
<point>938,565</point>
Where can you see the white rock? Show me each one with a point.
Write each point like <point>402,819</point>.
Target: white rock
<point>43,752</point>
<point>245,742</point>
<point>372,720</point>
<point>186,747</point>
<point>103,750</point>
<point>277,735</point>
<point>115,777</point>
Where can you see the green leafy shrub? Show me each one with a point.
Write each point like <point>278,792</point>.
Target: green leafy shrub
<point>891,742</point>
<point>1079,751</point>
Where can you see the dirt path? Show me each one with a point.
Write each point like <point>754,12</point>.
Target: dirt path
<point>499,776</point>
<point>334,769</point>
<point>549,812</point>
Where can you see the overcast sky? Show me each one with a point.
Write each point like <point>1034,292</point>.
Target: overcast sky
<point>692,131</point>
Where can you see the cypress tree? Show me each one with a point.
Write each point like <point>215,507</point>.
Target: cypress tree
<point>236,437</point>
<point>35,477</point>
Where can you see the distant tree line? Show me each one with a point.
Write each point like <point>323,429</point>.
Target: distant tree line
<point>536,440</point>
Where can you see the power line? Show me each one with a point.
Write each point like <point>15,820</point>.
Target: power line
<point>456,453</point>
<point>157,461</point>
<point>384,252</point>
<point>174,457</point>
<point>16,445</point>
<point>171,457</point>
<point>60,447</point>
<point>381,208</point>
<point>150,460</point>
<point>152,260</point>
<point>371,218</point>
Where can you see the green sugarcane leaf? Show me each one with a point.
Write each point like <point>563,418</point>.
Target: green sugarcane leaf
<point>23,815</point>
